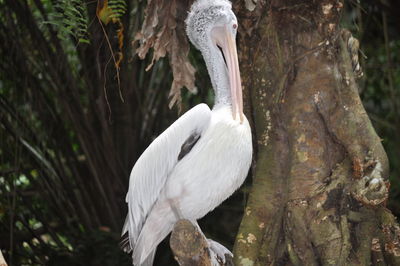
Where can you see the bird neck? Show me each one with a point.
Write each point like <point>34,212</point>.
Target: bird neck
<point>219,76</point>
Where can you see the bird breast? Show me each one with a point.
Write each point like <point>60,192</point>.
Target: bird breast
<point>215,167</point>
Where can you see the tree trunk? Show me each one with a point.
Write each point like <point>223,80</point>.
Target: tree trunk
<point>320,171</point>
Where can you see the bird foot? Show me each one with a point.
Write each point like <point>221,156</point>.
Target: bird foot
<point>221,255</point>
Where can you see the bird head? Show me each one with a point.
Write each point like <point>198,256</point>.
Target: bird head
<point>212,26</point>
<point>207,16</point>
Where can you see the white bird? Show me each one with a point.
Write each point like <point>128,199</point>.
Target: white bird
<point>204,156</point>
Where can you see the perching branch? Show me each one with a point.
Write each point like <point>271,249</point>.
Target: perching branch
<point>190,247</point>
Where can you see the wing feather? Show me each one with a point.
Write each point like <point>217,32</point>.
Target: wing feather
<point>151,170</point>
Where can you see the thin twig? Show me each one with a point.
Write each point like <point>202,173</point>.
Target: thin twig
<point>113,57</point>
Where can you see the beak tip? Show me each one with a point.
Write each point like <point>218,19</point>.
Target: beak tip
<point>241,117</point>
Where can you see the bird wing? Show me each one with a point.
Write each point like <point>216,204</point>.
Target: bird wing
<point>151,170</point>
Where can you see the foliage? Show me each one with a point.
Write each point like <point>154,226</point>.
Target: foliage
<point>111,10</point>
<point>71,19</point>
<point>67,141</point>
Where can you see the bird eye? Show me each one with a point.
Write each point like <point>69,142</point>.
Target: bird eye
<point>234,26</point>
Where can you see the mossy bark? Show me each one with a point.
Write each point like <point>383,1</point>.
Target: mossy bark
<point>320,171</point>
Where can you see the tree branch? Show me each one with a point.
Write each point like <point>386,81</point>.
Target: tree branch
<point>190,247</point>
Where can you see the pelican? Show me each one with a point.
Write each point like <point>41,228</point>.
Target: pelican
<point>204,156</point>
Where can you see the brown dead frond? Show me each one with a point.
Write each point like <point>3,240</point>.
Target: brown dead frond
<point>163,30</point>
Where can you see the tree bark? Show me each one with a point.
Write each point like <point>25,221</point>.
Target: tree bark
<point>320,171</point>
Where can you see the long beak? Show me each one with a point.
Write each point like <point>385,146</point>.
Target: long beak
<point>228,45</point>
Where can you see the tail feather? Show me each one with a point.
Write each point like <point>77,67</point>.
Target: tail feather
<point>150,259</point>
<point>130,233</point>
<point>124,243</point>
<point>156,228</point>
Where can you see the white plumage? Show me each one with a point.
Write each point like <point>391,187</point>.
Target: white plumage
<point>204,156</point>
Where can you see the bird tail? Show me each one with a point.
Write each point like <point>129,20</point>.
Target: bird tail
<point>156,228</point>
<point>125,245</point>
<point>124,242</point>
<point>150,259</point>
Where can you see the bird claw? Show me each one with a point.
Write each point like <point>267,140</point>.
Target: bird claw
<point>219,251</point>
<point>219,254</point>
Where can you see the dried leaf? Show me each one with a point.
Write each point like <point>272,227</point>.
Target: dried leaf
<point>103,12</point>
<point>112,10</point>
<point>120,35</point>
<point>163,30</point>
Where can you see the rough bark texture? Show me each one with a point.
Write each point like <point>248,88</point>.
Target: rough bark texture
<point>190,247</point>
<point>320,172</point>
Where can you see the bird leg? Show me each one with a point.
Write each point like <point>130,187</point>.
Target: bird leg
<point>174,205</point>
